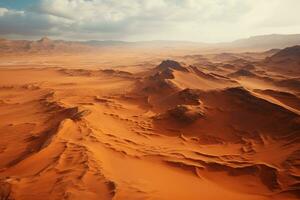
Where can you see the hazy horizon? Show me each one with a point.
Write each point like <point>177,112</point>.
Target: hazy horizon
<point>147,20</point>
<point>141,41</point>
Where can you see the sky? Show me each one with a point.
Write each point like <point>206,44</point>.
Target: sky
<point>143,20</point>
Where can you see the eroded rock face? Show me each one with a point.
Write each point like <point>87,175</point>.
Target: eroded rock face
<point>171,64</point>
<point>189,96</point>
<point>185,113</point>
<point>182,114</point>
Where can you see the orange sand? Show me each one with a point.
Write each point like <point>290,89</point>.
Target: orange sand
<point>71,130</point>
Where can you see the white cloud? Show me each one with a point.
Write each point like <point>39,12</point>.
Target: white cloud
<point>206,20</point>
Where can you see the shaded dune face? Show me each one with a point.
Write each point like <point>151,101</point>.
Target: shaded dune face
<point>174,131</point>
<point>234,110</point>
<point>286,61</point>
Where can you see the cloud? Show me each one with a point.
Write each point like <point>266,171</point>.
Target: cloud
<point>29,24</point>
<point>206,20</point>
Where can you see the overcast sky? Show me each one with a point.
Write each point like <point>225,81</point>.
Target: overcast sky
<point>135,20</point>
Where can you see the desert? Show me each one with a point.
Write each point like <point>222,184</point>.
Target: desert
<point>88,115</point>
<point>184,127</point>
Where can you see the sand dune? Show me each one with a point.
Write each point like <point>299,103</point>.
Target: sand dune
<point>286,61</point>
<point>175,129</point>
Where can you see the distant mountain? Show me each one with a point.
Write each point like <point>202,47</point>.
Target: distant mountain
<point>264,42</point>
<point>141,44</point>
<point>255,43</point>
<point>105,42</point>
<point>44,45</point>
<point>260,43</point>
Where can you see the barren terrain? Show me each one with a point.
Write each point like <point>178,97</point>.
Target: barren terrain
<point>139,124</point>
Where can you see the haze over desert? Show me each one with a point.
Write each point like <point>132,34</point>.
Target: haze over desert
<point>87,114</point>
